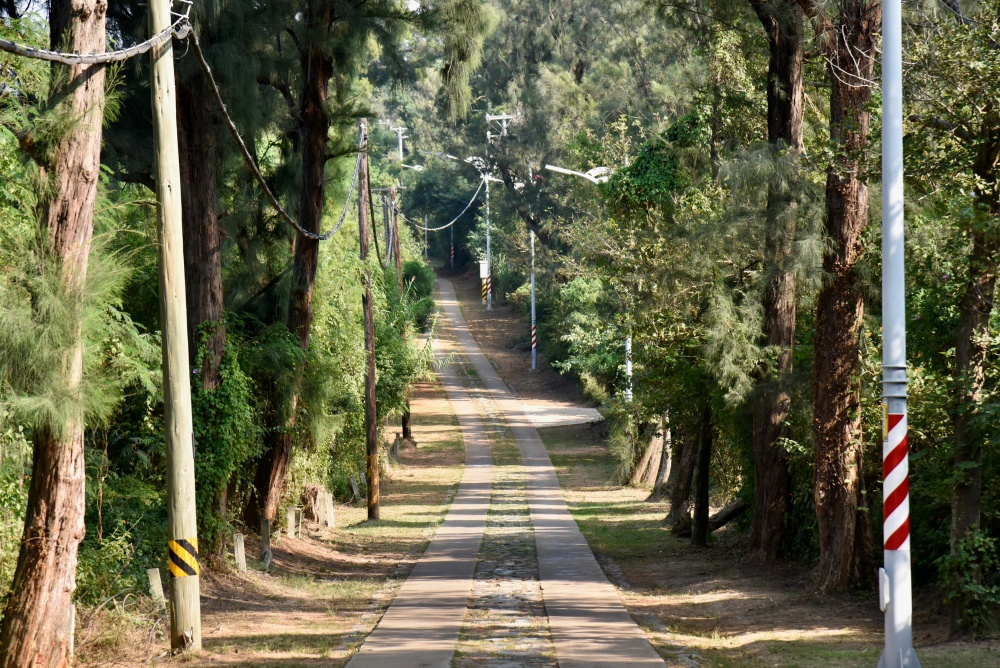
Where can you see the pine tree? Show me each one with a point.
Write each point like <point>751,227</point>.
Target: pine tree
<point>35,630</point>
<point>783,28</point>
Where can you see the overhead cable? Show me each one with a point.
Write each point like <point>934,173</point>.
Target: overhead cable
<point>455,220</point>
<point>252,166</point>
<point>181,28</point>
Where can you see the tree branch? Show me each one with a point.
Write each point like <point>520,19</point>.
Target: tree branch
<point>941,124</point>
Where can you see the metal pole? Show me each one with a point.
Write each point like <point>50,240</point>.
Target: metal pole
<point>452,230</point>
<point>182,520</point>
<point>426,246</point>
<point>489,257</point>
<point>534,330</point>
<point>895,589</point>
<point>628,368</point>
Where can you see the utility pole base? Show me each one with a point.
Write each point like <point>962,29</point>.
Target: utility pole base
<point>185,613</point>
<point>906,659</point>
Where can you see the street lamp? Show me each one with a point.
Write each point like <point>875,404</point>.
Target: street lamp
<point>596,175</point>
<point>895,588</point>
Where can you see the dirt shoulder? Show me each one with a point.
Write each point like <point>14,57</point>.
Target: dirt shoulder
<point>703,607</point>
<point>324,592</point>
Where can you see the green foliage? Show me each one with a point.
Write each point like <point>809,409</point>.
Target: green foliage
<point>969,580</point>
<point>227,437</point>
<point>418,279</point>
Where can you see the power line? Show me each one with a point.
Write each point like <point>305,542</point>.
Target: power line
<point>253,167</point>
<point>181,28</point>
<point>444,227</point>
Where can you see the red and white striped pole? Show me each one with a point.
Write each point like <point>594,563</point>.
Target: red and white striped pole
<point>452,230</point>
<point>534,330</point>
<point>895,588</point>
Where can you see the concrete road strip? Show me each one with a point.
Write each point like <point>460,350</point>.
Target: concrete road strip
<point>590,626</point>
<point>420,629</point>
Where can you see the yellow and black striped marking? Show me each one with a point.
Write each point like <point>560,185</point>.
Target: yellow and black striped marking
<point>484,289</point>
<point>183,559</point>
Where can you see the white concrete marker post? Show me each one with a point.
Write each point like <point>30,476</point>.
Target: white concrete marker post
<point>534,330</point>
<point>895,591</point>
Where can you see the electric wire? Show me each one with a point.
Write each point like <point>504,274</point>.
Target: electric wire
<point>455,220</point>
<point>251,165</point>
<point>181,28</point>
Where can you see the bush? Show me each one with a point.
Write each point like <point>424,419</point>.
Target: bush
<point>970,581</point>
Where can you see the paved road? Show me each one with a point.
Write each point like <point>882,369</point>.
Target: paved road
<point>421,627</point>
<point>590,627</point>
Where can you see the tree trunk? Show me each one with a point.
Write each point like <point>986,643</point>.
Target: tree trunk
<point>975,311</point>
<point>314,129</point>
<point>678,490</point>
<point>406,421</point>
<point>699,526</point>
<point>663,471</point>
<point>772,481</point>
<point>837,417</point>
<point>198,146</point>
<point>371,414</point>
<point>35,629</point>
<point>649,464</point>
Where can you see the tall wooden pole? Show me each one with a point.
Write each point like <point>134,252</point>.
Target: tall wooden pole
<point>395,239</point>
<point>405,421</point>
<point>182,525</point>
<point>371,424</point>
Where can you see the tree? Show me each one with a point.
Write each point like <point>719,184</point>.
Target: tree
<point>956,144</point>
<point>35,630</point>
<point>783,27</point>
<point>845,539</point>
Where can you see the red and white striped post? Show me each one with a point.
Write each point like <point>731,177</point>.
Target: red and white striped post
<point>895,588</point>
<point>452,230</point>
<point>534,330</point>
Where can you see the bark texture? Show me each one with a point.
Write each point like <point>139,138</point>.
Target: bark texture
<point>198,136</point>
<point>371,415</point>
<point>699,526</point>
<point>783,26</point>
<point>683,458</point>
<point>314,120</point>
<point>845,541</point>
<point>663,471</point>
<point>35,629</point>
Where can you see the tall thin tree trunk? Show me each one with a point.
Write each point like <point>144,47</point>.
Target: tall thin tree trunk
<point>666,459</point>
<point>371,414</point>
<point>35,629</point>
<point>315,128</point>
<point>199,157</point>
<point>199,164</point>
<point>772,483</point>
<point>699,525</point>
<point>684,457</point>
<point>840,309</point>
<point>975,311</point>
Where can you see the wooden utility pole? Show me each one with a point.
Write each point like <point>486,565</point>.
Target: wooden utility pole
<point>182,526</point>
<point>371,423</point>
<point>405,420</point>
